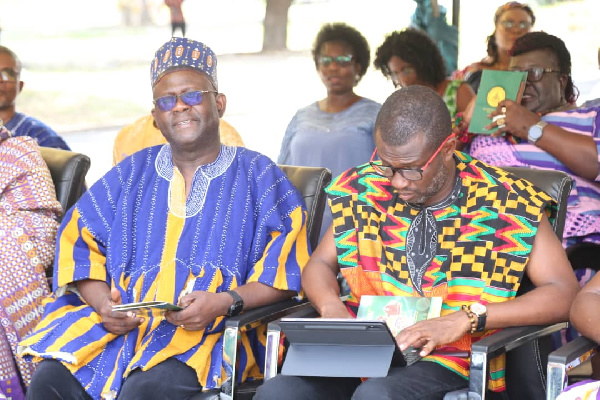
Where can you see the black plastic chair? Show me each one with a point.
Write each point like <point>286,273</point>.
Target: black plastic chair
<point>527,347</point>
<point>311,182</point>
<point>68,170</point>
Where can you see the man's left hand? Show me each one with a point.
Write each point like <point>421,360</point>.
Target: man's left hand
<point>430,333</point>
<point>200,309</point>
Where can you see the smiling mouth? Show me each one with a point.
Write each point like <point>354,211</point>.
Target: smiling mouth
<point>186,122</point>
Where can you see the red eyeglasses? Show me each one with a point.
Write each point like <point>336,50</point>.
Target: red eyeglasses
<point>412,174</point>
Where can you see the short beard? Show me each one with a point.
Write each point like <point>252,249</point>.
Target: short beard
<point>438,182</point>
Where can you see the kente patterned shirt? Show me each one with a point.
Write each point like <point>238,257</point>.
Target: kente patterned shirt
<point>242,222</point>
<point>583,206</point>
<point>28,214</point>
<point>471,247</point>
<point>24,125</point>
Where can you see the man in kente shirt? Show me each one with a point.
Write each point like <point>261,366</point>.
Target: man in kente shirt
<point>427,220</point>
<point>213,228</point>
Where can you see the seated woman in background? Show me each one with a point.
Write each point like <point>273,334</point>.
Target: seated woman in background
<point>28,214</point>
<point>511,21</point>
<point>547,131</point>
<point>410,57</point>
<point>337,131</point>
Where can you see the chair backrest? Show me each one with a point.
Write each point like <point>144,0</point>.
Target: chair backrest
<point>556,184</point>
<point>526,364</point>
<point>311,182</point>
<point>68,170</point>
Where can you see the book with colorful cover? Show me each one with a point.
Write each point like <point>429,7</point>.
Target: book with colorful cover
<point>495,86</point>
<point>398,311</point>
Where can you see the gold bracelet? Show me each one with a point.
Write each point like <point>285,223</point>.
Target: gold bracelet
<point>472,318</point>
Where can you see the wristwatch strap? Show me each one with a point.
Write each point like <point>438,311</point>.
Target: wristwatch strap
<point>238,304</point>
<point>480,322</point>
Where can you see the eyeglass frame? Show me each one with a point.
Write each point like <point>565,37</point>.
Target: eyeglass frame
<point>521,25</point>
<point>329,60</point>
<point>179,97</point>
<point>401,171</point>
<point>6,73</point>
<point>404,71</point>
<point>542,69</point>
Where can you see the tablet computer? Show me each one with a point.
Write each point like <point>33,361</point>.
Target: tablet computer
<point>147,307</point>
<point>341,348</point>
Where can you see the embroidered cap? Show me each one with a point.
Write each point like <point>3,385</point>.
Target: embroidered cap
<point>183,52</point>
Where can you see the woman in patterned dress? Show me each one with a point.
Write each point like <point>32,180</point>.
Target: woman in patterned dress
<point>28,213</point>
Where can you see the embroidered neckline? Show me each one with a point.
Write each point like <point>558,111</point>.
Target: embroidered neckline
<point>202,177</point>
<point>422,237</point>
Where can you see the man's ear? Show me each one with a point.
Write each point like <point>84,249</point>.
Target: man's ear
<point>21,84</point>
<point>450,147</point>
<point>221,104</point>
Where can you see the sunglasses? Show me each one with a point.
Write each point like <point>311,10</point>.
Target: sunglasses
<point>341,61</point>
<point>411,174</point>
<point>8,75</point>
<point>534,74</point>
<point>192,98</point>
<point>509,24</point>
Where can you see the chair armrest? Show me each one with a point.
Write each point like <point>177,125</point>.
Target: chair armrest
<point>264,314</point>
<point>245,321</point>
<point>567,357</point>
<point>510,338</point>
<point>499,343</point>
<point>305,310</point>
<point>574,352</point>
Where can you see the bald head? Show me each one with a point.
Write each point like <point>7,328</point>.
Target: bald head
<point>9,52</point>
<point>410,111</point>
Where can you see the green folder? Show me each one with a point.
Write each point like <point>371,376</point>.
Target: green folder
<point>495,86</point>
<point>399,311</point>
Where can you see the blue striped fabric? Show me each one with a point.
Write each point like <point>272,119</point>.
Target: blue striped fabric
<point>23,125</point>
<point>243,221</point>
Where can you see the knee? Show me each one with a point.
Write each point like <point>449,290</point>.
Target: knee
<point>373,389</point>
<point>270,389</point>
<point>47,381</point>
<point>281,386</point>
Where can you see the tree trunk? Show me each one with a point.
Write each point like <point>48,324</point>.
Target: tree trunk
<point>275,25</point>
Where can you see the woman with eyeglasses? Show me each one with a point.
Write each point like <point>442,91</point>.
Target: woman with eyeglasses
<point>511,21</point>
<point>547,131</point>
<point>411,57</point>
<point>335,132</point>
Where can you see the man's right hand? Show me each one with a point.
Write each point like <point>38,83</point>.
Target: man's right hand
<point>117,322</point>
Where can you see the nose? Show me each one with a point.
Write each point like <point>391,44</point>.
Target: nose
<point>399,182</point>
<point>180,104</point>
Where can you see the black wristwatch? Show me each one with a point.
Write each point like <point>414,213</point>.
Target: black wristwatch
<point>237,306</point>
